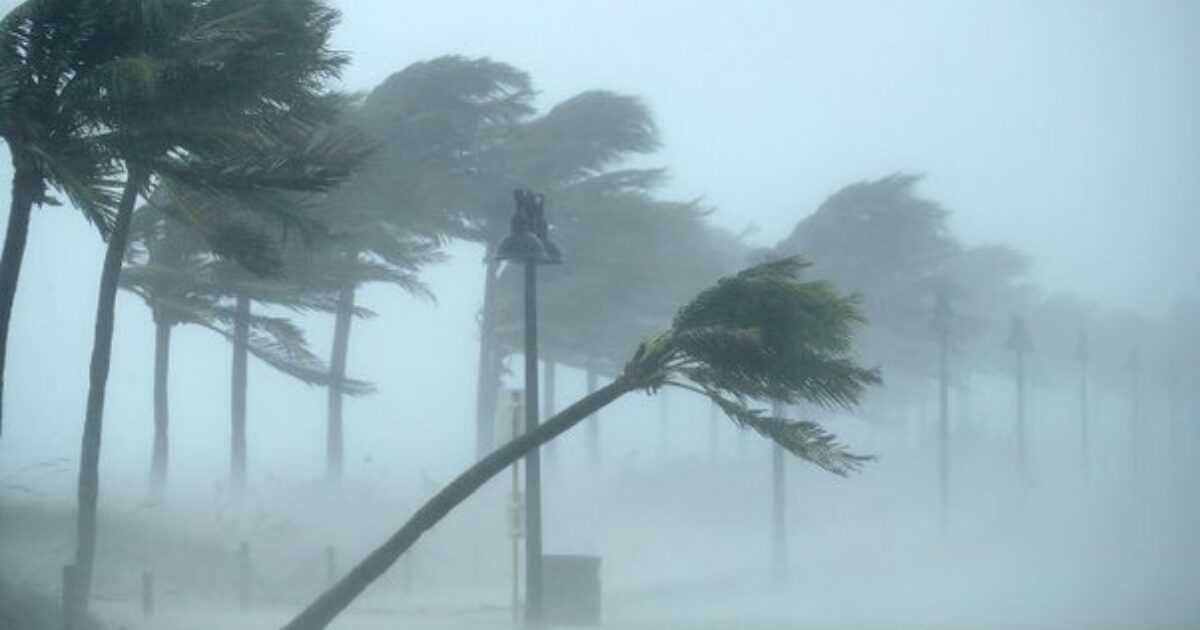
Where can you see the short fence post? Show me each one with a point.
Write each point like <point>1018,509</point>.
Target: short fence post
<point>147,593</point>
<point>243,577</point>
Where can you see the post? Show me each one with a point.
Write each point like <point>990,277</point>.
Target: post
<point>778,504</point>
<point>243,577</point>
<point>68,597</point>
<point>147,594</point>
<point>533,469</point>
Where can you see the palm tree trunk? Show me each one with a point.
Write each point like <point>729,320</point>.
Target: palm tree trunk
<point>487,377</point>
<point>337,366</point>
<point>25,187</point>
<point>548,403</point>
<point>162,363</point>
<point>237,416</point>
<point>325,608</point>
<point>89,457</point>
<point>593,420</point>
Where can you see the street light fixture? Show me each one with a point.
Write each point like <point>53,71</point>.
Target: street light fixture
<point>529,243</point>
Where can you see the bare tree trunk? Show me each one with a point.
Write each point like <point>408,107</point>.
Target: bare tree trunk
<point>334,447</point>
<point>89,457</point>
<point>26,184</point>
<point>487,378</point>
<point>237,391</point>
<point>162,364</point>
<point>325,608</point>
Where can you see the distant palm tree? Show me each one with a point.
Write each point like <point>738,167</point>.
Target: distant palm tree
<point>174,268</point>
<point>759,335</point>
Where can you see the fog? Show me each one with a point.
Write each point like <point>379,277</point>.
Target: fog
<point>1067,132</point>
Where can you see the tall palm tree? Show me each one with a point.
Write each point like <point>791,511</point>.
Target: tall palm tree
<point>759,335</point>
<point>45,45</point>
<point>211,95</point>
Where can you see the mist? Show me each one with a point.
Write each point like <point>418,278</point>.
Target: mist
<point>993,204</point>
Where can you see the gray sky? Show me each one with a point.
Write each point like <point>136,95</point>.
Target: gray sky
<point>1065,128</point>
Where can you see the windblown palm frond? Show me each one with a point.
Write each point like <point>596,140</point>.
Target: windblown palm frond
<point>765,335</point>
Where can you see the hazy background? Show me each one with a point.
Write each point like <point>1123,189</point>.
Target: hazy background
<point>1066,129</point>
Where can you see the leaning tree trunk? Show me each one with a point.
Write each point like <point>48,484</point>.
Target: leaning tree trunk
<point>26,185</point>
<point>89,457</point>
<point>325,608</point>
<point>334,447</point>
<point>162,363</point>
<point>593,420</point>
<point>237,389</point>
<point>548,401</point>
<point>487,378</point>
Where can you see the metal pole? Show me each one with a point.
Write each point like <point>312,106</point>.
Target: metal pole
<point>515,515</point>
<point>533,469</point>
<point>778,504</point>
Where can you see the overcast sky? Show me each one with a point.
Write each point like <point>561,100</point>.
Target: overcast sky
<point>1065,128</point>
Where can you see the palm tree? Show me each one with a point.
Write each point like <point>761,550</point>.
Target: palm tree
<point>45,45</point>
<point>209,95</point>
<point>173,267</point>
<point>759,335</point>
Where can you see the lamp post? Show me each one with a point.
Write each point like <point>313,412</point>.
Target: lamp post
<point>529,243</point>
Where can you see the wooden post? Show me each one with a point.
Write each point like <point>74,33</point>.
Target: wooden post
<point>331,564</point>
<point>243,577</point>
<point>147,594</point>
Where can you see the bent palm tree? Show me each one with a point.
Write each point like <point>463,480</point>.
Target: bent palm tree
<point>44,46</point>
<point>759,335</point>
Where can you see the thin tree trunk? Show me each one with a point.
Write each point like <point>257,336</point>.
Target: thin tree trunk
<point>487,377</point>
<point>325,608</point>
<point>237,415</point>
<point>1022,456</point>
<point>25,187</point>
<point>162,363</point>
<point>334,447</point>
<point>89,457</point>
<point>944,427</point>
<point>593,420</point>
